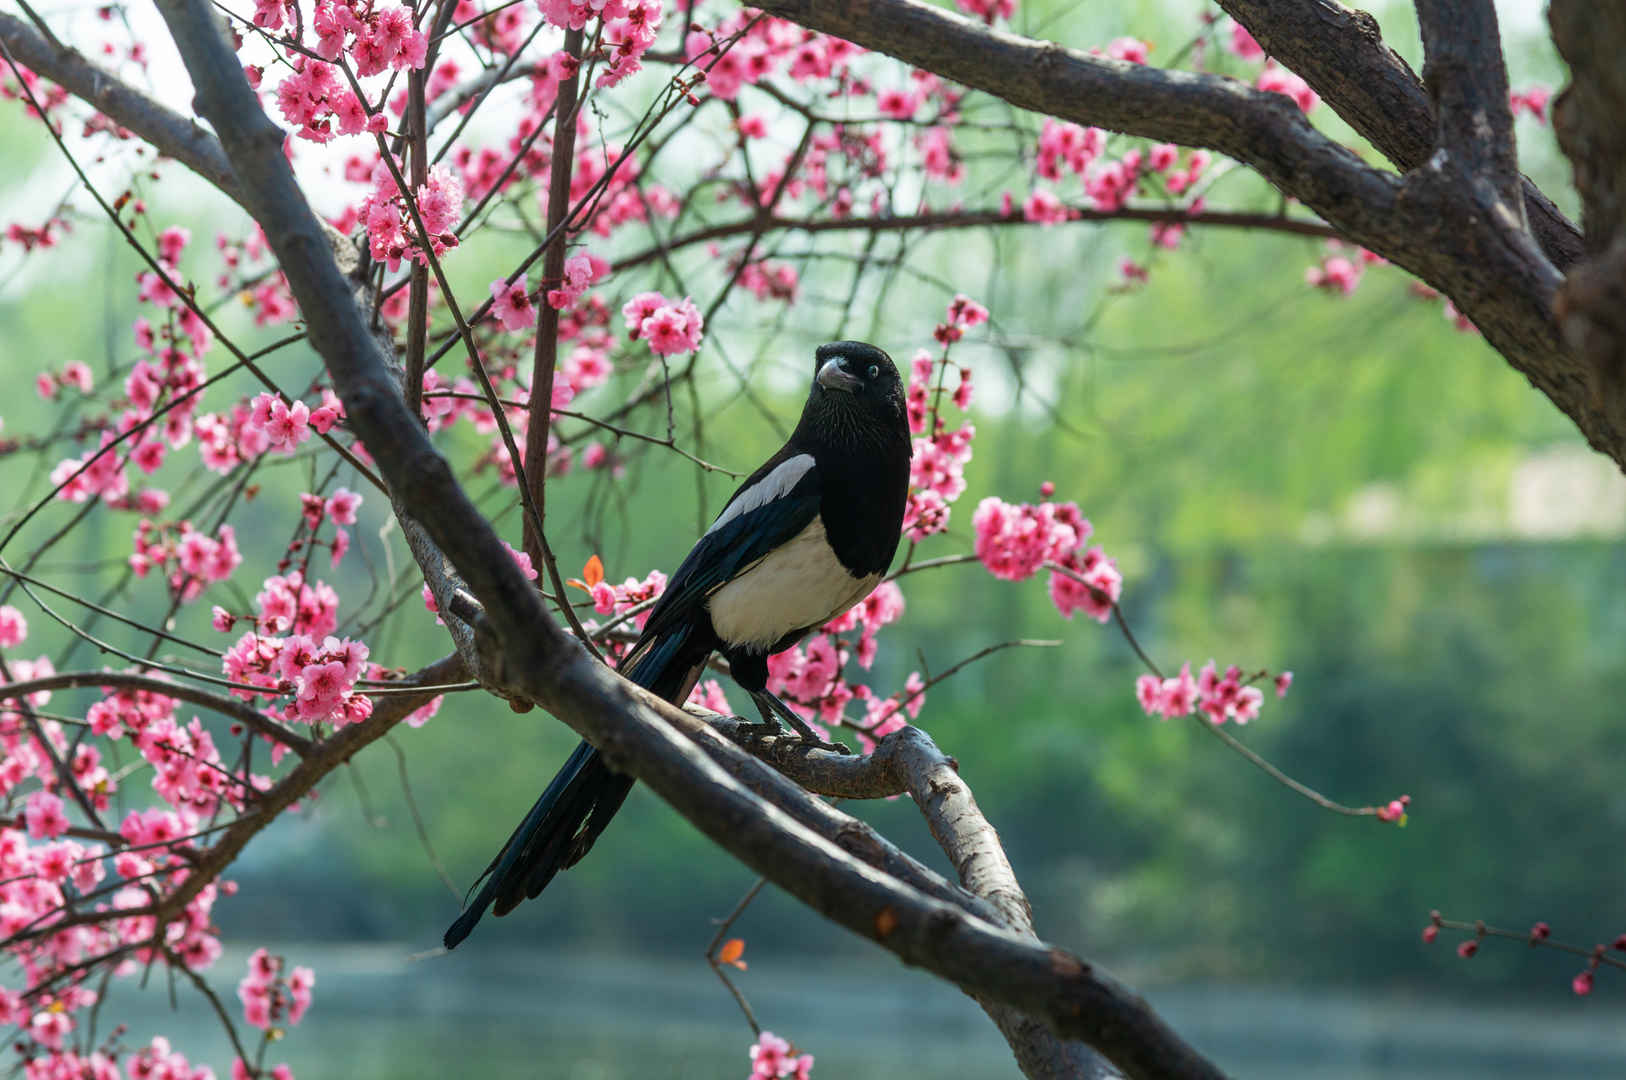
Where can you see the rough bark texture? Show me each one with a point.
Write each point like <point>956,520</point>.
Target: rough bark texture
<point>1340,52</point>
<point>1591,305</point>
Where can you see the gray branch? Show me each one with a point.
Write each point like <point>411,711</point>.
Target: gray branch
<point>1475,249</point>
<point>1467,78</point>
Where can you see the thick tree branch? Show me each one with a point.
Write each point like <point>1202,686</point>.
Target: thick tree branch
<point>1340,52</point>
<point>972,845</point>
<point>626,724</point>
<point>1474,249</point>
<point>1591,307</point>
<point>1467,78</point>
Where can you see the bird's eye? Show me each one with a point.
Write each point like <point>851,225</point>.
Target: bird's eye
<point>874,370</point>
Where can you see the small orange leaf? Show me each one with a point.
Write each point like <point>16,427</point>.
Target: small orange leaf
<point>730,953</point>
<point>577,583</point>
<point>593,571</point>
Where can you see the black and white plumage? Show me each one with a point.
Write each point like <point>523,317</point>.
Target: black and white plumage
<point>804,538</point>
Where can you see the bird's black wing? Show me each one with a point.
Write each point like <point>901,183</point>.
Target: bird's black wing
<point>729,549</point>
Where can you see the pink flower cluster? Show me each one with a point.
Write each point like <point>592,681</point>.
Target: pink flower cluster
<point>376,38</point>
<point>937,467</point>
<point>671,327</point>
<point>339,508</point>
<point>158,1060</point>
<point>13,627</point>
<point>167,379</point>
<point>271,998</point>
<point>810,676</point>
<point>392,235</point>
<point>1218,697</point>
<point>191,778</point>
<point>188,558</point>
<point>1339,273</point>
<point>627,36</point>
<point>1013,541</point>
<point>772,1058</point>
<point>581,270</point>
<point>1107,184</point>
<point>318,670</point>
<point>763,48</point>
<point>287,424</point>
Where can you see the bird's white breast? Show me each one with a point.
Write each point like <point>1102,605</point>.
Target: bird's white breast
<point>801,583</point>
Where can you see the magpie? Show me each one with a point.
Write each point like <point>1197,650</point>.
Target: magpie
<point>806,536</point>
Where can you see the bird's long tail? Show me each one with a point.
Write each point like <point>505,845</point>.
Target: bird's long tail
<point>580,800</point>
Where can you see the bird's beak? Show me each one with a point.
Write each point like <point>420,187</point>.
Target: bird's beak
<point>832,376</point>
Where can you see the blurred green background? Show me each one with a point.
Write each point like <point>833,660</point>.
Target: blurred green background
<point>1346,487</point>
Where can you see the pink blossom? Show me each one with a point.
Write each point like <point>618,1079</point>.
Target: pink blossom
<point>1167,698</point>
<point>1279,80</point>
<point>988,10</point>
<point>77,375</point>
<point>1335,274</point>
<point>1395,810</point>
<point>44,816</point>
<point>13,627</point>
<point>898,104</point>
<point>1283,681</point>
<point>1044,207</point>
<point>1242,44</point>
<point>1131,49</point>
<point>581,270</point>
<point>672,329</point>
<point>341,506</point>
<point>1533,99</point>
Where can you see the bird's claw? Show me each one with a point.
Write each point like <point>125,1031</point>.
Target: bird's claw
<point>819,744</point>
<point>761,730</point>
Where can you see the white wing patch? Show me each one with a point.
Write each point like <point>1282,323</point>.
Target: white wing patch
<point>775,485</point>
<point>801,583</point>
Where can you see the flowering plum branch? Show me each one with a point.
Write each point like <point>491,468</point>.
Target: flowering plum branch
<point>597,138</point>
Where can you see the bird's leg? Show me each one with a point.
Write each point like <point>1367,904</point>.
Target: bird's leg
<point>770,723</point>
<point>771,706</point>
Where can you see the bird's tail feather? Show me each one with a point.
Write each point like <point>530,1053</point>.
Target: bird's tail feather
<point>580,800</point>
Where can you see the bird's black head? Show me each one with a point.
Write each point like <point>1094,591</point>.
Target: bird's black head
<point>857,391</point>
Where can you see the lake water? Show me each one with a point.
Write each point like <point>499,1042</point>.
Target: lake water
<point>490,1013</point>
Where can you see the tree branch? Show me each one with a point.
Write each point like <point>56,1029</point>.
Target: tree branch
<point>637,733</point>
<point>1340,52</point>
<point>973,219</point>
<point>169,132</point>
<point>229,707</point>
<point>1467,78</point>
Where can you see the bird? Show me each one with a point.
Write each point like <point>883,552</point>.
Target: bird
<point>806,536</point>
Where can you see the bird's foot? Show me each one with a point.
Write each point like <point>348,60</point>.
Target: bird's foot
<point>811,738</point>
<point>762,730</point>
